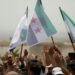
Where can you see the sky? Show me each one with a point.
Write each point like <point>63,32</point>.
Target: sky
<point>12,10</point>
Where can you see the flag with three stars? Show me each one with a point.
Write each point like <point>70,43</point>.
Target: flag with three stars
<point>40,27</point>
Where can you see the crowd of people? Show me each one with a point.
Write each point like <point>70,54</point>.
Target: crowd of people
<point>52,63</point>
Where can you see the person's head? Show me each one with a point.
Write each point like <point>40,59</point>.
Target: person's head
<point>12,73</point>
<point>57,71</point>
<point>72,65</point>
<point>25,52</point>
<point>34,67</point>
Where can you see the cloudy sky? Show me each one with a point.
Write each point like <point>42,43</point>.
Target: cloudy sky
<point>12,10</point>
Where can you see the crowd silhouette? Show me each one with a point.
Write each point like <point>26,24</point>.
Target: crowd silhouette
<point>51,63</point>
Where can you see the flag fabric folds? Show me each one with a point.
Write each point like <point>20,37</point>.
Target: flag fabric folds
<point>70,24</point>
<point>21,32</point>
<point>40,27</point>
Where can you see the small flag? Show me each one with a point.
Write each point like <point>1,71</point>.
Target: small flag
<point>70,24</point>
<point>40,27</point>
<point>21,32</point>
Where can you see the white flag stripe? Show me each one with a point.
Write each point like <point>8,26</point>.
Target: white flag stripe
<point>71,28</point>
<point>21,25</point>
<point>20,33</point>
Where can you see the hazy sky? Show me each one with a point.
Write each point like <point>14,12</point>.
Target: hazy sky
<point>12,10</point>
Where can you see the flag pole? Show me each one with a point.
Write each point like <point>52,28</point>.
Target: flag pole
<point>21,50</point>
<point>68,31</point>
<point>71,41</point>
<point>53,40</point>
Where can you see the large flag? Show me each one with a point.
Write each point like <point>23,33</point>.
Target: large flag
<point>70,24</point>
<point>21,32</point>
<point>40,27</point>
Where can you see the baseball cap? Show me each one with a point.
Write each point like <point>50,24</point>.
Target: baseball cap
<point>57,70</point>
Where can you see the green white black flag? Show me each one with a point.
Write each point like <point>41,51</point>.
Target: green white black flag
<point>40,27</point>
<point>70,24</point>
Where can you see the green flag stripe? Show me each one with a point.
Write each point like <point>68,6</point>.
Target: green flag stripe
<point>64,14</point>
<point>23,34</point>
<point>45,22</point>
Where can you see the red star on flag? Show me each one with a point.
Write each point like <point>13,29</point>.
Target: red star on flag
<point>33,20</point>
<point>38,30</point>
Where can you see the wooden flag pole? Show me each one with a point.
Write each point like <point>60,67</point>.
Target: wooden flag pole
<point>53,41</point>
<point>71,41</point>
<point>68,31</point>
<point>21,50</point>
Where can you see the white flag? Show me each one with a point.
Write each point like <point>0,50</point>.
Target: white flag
<point>21,32</point>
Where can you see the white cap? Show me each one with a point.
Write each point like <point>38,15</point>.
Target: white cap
<point>57,70</point>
